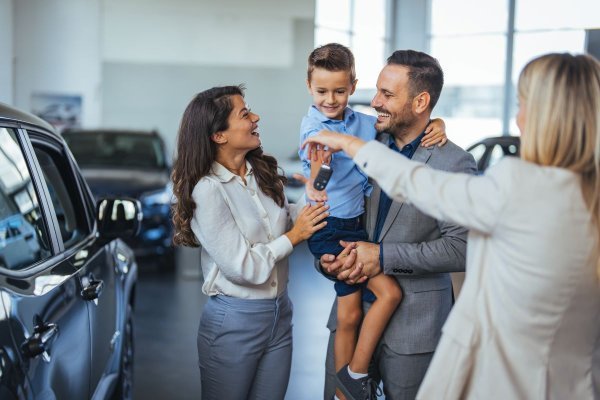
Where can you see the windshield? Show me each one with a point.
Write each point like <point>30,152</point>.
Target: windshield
<point>115,150</point>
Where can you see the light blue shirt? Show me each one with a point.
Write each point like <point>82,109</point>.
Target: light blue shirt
<point>347,186</point>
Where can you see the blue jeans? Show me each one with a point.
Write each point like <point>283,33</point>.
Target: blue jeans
<point>327,241</point>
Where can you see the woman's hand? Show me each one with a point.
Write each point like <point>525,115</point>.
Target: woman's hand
<point>310,219</point>
<point>335,142</point>
<point>435,133</point>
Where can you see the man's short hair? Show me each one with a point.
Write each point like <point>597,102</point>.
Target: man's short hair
<point>332,57</point>
<point>425,73</point>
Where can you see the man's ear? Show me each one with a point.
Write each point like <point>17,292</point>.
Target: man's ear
<point>420,103</point>
<point>218,138</point>
<point>353,87</point>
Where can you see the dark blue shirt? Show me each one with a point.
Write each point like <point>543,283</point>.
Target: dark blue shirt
<point>384,201</point>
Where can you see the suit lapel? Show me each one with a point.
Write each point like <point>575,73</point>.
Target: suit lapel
<point>421,155</point>
<point>372,204</point>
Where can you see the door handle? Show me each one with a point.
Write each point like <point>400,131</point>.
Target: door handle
<point>41,341</point>
<point>93,290</point>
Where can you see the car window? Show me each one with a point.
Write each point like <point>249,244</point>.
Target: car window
<point>477,152</point>
<point>23,234</point>
<point>496,154</point>
<point>62,187</point>
<point>113,150</point>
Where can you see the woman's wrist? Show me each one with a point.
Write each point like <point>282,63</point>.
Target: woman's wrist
<point>353,145</point>
<point>293,237</point>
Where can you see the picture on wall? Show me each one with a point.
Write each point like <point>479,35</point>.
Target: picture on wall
<point>62,111</point>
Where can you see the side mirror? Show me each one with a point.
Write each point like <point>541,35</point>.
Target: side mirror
<point>119,217</point>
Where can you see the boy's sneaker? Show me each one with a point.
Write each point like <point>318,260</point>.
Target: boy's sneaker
<point>356,389</point>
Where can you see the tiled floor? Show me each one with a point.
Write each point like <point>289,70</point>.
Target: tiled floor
<point>167,313</point>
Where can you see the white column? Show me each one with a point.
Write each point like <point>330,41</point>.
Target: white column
<point>57,52</point>
<point>410,25</point>
<point>6,51</point>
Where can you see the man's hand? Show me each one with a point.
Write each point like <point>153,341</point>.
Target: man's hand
<point>367,258</point>
<point>334,265</point>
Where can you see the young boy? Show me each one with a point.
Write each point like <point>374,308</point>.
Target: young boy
<point>331,81</point>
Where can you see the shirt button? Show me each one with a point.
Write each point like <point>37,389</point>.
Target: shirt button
<point>273,284</point>
<point>252,192</point>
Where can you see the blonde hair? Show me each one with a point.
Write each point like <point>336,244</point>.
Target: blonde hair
<point>561,95</point>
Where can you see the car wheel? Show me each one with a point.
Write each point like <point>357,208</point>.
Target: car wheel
<point>124,389</point>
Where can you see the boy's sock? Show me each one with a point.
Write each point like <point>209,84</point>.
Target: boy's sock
<point>356,375</point>
<point>336,398</point>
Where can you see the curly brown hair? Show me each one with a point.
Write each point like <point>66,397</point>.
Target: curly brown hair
<point>206,115</point>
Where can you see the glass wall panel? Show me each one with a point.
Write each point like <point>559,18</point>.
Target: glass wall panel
<point>554,15</point>
<point>459,17</point>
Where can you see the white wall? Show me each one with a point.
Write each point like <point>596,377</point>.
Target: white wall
<point>166,52</point>
<point>207,32</point>
<point>6,50</point>
<point>137,63</point>
<point>57,51</point>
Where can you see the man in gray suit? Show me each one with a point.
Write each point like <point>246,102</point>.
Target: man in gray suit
<point>418,250</point>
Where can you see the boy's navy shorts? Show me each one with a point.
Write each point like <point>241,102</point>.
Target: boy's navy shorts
<point>327,241</point>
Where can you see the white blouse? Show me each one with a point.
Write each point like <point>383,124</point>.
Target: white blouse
<point>241,231</point>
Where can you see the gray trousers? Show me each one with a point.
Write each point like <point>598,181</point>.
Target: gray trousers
<point>245,348</point>
<point>401,374</point>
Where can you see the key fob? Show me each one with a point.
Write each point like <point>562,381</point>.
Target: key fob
<point>322,177</point>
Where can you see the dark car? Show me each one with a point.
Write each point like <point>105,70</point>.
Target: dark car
<point>67,282</point>
<point>489,151</point>
<point>132,164</point>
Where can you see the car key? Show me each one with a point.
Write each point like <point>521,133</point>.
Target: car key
<point>322,177</point>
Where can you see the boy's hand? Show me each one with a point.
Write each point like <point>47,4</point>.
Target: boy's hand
<point>435,133</point>
<point>314,194</point>
<point>311,193</point>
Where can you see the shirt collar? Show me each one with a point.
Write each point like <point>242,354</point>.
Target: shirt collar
<point>315,113</point>
<point>225,175</point>
<point>415,143</point>
<point>408,149</point>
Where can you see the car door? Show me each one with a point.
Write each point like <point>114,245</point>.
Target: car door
<point>94,262</point>
<point>13,382</point>
<point>44,313</point>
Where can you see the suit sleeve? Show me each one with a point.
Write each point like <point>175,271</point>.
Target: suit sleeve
<point>446,254</point>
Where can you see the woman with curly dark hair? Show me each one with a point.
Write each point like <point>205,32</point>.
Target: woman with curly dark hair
<point>230,201</point>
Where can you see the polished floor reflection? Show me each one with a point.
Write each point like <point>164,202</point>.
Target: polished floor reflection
<point>168,308</point>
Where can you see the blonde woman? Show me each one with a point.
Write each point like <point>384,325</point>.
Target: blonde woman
<point>527,322</point>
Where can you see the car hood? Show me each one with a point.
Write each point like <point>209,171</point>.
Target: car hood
<point>124,182</point>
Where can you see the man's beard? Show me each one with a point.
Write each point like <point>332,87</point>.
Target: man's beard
<point>397,123</point>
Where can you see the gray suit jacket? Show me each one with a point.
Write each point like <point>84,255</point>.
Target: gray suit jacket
<point>420,252</point>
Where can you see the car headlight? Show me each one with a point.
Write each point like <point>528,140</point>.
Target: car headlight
<point>159,197</point>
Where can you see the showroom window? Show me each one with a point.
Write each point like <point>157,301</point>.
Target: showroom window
<point>484,53</point>
<point>360,25</point>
